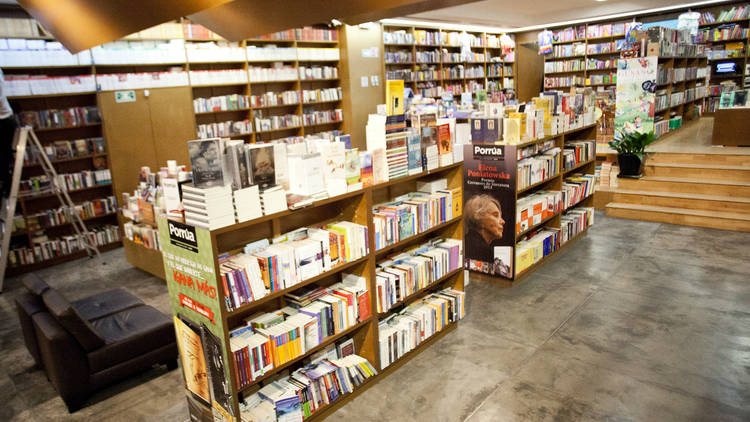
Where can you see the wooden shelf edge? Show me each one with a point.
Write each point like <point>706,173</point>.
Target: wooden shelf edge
<point>537,184</point>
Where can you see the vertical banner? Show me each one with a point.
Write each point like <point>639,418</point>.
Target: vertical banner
<point>636,84</point>
<point>490,208</point>
<point>195,299</point>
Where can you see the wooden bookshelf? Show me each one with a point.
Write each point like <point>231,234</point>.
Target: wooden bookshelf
<point>555,183</point>
<point>495,80</point>
<point>355,207</point>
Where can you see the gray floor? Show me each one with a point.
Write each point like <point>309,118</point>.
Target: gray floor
<point>637,321</point>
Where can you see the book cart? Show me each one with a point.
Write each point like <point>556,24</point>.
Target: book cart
<point>552,183</point>
<point>192,270</point>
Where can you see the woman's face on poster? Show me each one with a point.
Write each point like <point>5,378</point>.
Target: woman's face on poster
<point>492,221</point>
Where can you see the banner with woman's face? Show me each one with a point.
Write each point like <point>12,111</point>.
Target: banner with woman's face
<point>489,208</point>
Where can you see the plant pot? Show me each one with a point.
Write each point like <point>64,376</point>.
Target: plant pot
<point>630,165</point>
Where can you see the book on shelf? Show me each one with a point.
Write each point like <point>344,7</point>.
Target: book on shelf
<point>576,188</point>
<point>353,171</point>
<point>264,268</point>
<point>532,209</point>
<point>535,246</point>
<point>411,270</point>
<point>575,221</point>
<point>402,332</point>
<point>365,170</point>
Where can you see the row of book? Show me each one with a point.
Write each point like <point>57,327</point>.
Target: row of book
<point>144,80</point>
<point>263,268</point>
<point>576,188</point>
<point>62,150</point>
<point>428,56</point>
<point>722,33</point>
<point>563,82</point>
<point>422,37</point>
<point>67,181</point>
<point>308,390</point>
<point>411,214</point>
<point>268,340</point>
<point>597,64</point>
<point>263,124</point>
<point>307,73</point>
<point>221,103</point>
<point>569,34</point>
<point>535,247</point>
<point>142,234</point>
<point>577,152</point>
<point>44,248</point>
<point>574,222</point>
<point>602,79</point>
<point>605,30</point>
<point>538,168</point>
<point>733,13</point>
<point>224,129</point>
<point>414,269</point>
<point>400,56</point>
<point>59,118</point>
<point>260,74</point>
<point>21,85</point>
<point>302,34</point>
<point>402,74</point>
<point>321,95</point>
<point>398,37</point>
<point>403,332</point>
<point>322,116</point>
<point>64,214</point>
<point>532,209</point>
<point>564,66</point>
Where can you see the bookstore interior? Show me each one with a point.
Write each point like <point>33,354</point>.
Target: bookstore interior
<point>313,205</point>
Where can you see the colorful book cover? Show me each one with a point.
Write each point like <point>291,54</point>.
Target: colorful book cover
<point>444,139</point>
<point>414,148</point>
<point>394,94</point>
<point>365,164</point>
<point>352,166</point>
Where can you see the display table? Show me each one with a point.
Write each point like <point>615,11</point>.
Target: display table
<point>730,127</point>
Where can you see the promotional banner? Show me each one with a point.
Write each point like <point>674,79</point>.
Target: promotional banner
<point>195,299</point>
<point>636,84</point>
<point>490,208</point>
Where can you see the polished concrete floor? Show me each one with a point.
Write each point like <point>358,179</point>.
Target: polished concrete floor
<point>637,321</point>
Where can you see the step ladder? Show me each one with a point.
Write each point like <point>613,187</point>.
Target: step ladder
<point>26,138</point>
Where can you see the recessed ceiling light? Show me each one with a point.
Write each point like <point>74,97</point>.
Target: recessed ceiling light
<point>600,0</point>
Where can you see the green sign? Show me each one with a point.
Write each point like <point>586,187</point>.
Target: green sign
<point>195,299</point>
<point>124,96</point>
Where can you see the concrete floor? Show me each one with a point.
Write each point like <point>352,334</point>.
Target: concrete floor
<point>637,321</point>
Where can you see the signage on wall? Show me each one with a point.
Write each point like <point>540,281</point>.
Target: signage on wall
<point>182,236</point>
<point>125,96</point>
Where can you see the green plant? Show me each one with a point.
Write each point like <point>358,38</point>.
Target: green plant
<point>634,143</point>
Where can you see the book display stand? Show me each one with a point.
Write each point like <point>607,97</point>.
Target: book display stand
<point>192,265</point>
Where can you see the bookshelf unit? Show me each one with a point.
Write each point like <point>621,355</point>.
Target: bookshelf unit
<point>583,72</point>
<point>555,183</point>
<point>356,207</point>
<point>33,204</point>
<point>426,66</point>
<point>684,109</point>
<point>183,62</point>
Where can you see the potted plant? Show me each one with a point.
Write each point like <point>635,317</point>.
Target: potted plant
<point>631,148</point>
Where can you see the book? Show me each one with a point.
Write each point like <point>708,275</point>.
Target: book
<point>206,160</point>
<point>365,165</point>
<point>353,172</point>
<point>334,155</point>
<point>262,165</point>
<point>394,97</point>
<point>414,151</point>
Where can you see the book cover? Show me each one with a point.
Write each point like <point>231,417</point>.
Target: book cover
<point>213,350</point>
<point>352,166</point>
<point>444,139</point>
<point>414,148</point>
<point>193,360</point>
<point>262,166</point>
<point>365,165</point>
<point>346,139</point>
<point>206,160</point>
<point>394,95</point>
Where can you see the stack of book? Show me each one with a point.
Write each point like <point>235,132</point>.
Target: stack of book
<point>208,208</point>
<point>309,389</point>
<point>247,204</point>
<point>414,269</point>
<point>396,154</point>
<point>406,330</point>
<point>538,168</point>
<point>273,200</point>
<point>577,152</point>
<point>411,214</point>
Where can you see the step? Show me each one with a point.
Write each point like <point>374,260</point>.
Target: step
<point>684,216</point>
<point>685,158</point>
<point>684,200</point>
<point>687,185</point>
<point>702,171</point>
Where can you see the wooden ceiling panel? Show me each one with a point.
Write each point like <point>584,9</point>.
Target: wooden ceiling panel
<point>82,24</point>
<point>241,19</point>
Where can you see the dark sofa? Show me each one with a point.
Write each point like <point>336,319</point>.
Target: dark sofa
<point>87,344</point>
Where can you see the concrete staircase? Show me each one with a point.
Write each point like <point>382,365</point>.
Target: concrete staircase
<point>706,190</point>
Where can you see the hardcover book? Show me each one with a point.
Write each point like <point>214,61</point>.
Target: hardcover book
<point>206,159</point>
<point>262,165</point>
<point>352,166</point>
